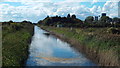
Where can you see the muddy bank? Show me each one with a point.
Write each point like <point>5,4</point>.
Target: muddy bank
<point>102,58</point>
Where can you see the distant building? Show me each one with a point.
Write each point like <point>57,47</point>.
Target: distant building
<point>119,9</point>
<point>96,18</point>
<point>103,14</point>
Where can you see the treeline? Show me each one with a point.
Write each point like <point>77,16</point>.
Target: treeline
<point>17,25</point>
<point>10,22</point>
<point>104,21</point>
<point>72,21</point>
<point>62,21</point>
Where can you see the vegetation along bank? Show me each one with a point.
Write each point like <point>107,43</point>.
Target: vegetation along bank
<point>98,44</point>
<point>16,37</point>
<point>98,39</point>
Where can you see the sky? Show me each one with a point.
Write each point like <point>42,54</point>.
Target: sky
<point>35,10</point>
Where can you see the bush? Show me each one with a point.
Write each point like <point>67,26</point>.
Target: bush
<point>113,30</point>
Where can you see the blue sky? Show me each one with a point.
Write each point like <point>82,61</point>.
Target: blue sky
<point>13,3</point>
<point>87,4</point>
<point>36,10</point>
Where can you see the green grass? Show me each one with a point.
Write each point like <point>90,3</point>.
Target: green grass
<point>15,43</point>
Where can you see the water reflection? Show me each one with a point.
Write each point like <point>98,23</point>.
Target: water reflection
<point>47,50</point>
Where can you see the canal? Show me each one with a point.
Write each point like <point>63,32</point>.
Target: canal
<point>47,50</point>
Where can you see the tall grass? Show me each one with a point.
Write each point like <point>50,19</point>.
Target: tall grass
<point>100,38</point>
<point>15,43</point>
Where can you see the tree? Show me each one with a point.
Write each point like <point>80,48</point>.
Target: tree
<point>68,16</point>
<point>57,16</point>
<point>11,21</point>
<point>74,16</point>
<point>104,21</point>
<point>47,17</point>
<point>89,21</point>
<point>40,22</point>
<point>116,21</point>
<point>47,21</point>
<point>25,21</point>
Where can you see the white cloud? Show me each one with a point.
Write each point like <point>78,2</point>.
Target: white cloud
<point>96,10</point>
<point>25,0</point>
<point>111,8</point>
<point>34,11</point>
<point>94,1</point>
<point>58,0</point>
<point>20,13</point>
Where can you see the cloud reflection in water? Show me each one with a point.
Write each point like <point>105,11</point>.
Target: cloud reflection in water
<point>51,51</point>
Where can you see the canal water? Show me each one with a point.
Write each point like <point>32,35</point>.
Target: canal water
<point>47,50</point>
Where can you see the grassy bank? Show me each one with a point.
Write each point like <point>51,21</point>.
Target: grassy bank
<point>99,44</point>
<point>16,38</point>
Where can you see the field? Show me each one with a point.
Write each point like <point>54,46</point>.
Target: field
<point>16,38</point>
